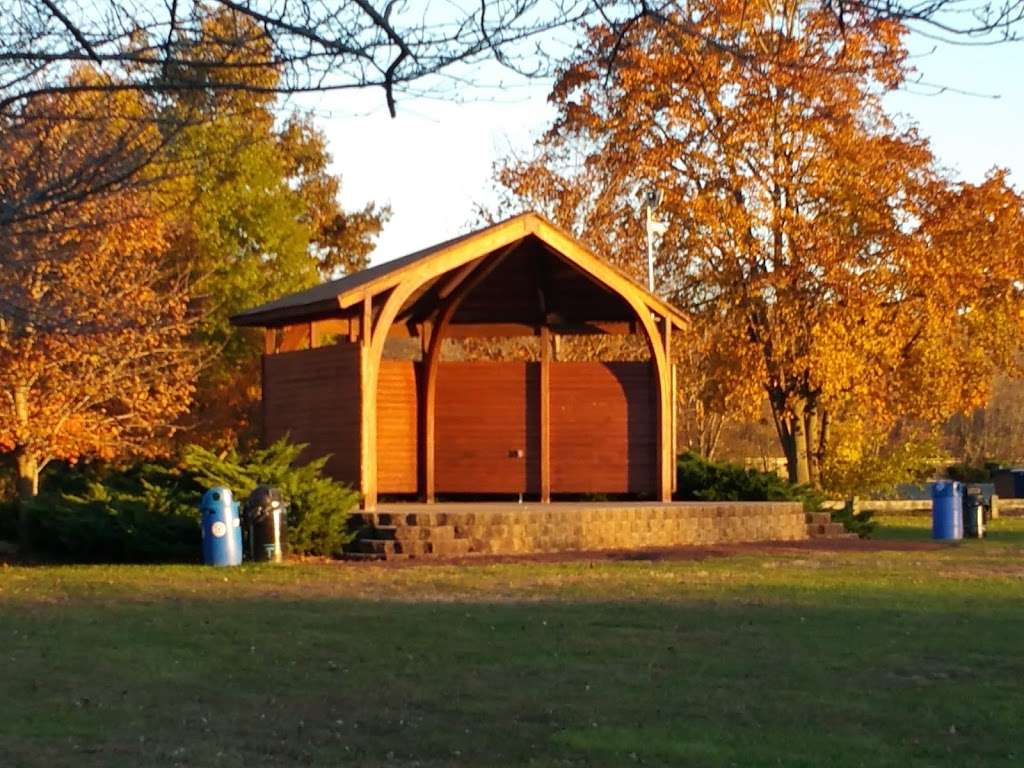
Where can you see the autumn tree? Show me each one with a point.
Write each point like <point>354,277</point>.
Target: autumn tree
<point>816,236</point>
<point>258,213</point>
<point>317,46</point>
<point>992,432</point>
<point>93,354</point>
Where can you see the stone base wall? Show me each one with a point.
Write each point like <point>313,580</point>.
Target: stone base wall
<point>500,529</point>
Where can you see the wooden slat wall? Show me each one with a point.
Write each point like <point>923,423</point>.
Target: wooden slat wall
<point>603,428</point>
<point>313,396</point>
<point>397,427</point>
<point>485,410</point>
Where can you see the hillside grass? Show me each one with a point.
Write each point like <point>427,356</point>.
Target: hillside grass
<point>762,656</point>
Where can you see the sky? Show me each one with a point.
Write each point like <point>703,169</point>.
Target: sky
<point>433,164</point>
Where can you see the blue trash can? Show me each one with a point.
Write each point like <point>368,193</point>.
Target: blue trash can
<point>947,510</point>
<point>222,529</point>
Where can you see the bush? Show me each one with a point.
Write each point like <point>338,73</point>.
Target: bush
<point>8,520</point>
<point>701,480</point>
<point>855,522</point>
<point>149,512</point>
<point>143,514</point>
<point>319,507</point>
<point>876,470</point>
<point>973,473</point>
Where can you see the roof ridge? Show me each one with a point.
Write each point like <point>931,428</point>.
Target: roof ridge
<point>334,295</point>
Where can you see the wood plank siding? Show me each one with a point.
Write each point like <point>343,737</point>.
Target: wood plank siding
<point>603,428</point>
<point>487,411</point>
<point>312,396</point>
<point>397,426</point>
<point>603,422</point>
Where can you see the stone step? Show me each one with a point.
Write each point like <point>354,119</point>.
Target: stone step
<point>384,547</point>
<point>411,533</point>
<point>383,532</point>
<point>364,556</point>
<point>389,548</point>
<point>818,518</point>
<point>419,548</point>
<point>829,531</point>
<point>405,518</point>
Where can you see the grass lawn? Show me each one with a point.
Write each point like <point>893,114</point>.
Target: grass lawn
<point>775,656</point>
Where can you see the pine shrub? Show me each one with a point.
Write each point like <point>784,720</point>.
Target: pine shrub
<point>319,507</point>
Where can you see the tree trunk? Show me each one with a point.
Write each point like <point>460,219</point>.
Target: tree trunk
<point>825,434</point>
<point>26,467</point>
<point>812,436</point>
<point>713,436</point>
<point>789,414</point>
<point>27,487</point>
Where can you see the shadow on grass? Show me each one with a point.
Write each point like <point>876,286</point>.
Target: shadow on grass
<point>745,677</point>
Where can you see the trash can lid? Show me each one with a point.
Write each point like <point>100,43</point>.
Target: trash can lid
<point>215,495</point>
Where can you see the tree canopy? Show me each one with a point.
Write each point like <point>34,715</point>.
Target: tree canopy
<point>94,359</point>
<point>258,215</point>
<point>131,229</point>
<point>812,236</point>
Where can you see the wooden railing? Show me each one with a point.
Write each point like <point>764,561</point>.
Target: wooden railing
<point>1000,507</point>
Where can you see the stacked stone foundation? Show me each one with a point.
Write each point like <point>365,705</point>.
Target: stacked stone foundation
<point>454,530</point>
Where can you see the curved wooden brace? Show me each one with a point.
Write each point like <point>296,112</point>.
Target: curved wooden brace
<point>371,353</point>
<point>433,357</point>
<point>659,346</point>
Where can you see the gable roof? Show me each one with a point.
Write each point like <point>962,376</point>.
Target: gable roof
<point>340,294</point>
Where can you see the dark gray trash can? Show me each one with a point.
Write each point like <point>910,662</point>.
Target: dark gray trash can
<point>265,514</point>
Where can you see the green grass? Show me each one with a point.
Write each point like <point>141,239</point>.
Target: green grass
<point>772,657</point>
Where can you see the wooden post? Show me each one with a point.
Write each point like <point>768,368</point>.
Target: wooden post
<point>545,414</point>
<point>424,340</point>
<point>369,368</point>
<point>674,399</point>
<point>666,440</point>
<point>428,399</point>
<point>269,341</point>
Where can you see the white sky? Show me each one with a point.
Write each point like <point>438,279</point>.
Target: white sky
<point>433,163</point>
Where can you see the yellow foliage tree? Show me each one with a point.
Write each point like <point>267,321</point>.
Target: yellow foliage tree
<point>93,353</point>
<point>813,238</point>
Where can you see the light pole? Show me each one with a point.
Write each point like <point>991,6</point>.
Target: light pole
<point>652,198</point>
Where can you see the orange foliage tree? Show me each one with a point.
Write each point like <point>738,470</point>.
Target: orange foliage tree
<point>93,352</point>
<point>812,237</point>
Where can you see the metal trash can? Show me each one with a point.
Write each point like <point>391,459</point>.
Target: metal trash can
<point>974,512</point>
<point>947,510</point>
<point>221,527</point>
<point>265,514</point>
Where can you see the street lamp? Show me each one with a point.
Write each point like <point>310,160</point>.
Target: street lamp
<point>652,199</point>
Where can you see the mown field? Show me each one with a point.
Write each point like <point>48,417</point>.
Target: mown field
<point>907,656</point>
